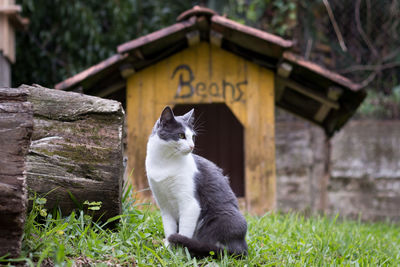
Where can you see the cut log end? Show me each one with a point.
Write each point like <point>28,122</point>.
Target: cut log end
<point>16,125</point>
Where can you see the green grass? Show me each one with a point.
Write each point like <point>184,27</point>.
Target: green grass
<point>274,240</point>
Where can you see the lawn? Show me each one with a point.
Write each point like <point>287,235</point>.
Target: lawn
<point>274,240</point>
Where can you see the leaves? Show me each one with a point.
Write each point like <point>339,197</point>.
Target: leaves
<point>273,239</point>
<point>66,37</point>
<point>93,205</point>
<point>40,201</point>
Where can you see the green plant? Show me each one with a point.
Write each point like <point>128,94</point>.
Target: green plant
<point>66,37</point>
<point>274,240</point>
<point>277,17</point>
<point>379,105</point>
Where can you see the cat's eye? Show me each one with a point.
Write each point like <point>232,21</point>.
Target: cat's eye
<point>182,136</point>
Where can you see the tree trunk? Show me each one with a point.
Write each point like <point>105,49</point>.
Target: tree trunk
<point>76,152</point>
<point>16,124</point>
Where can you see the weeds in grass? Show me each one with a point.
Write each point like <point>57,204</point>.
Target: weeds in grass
<point>274,240</point>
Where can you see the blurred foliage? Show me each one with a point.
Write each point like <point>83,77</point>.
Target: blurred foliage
<point>274,16</point>
<point>66,37</point>
<point>381,106</point>
<point>370,30</point>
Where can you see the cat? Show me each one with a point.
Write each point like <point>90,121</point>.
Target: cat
<point>198,208</point>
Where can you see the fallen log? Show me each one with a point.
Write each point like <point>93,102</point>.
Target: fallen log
<point>16,124</point>
<point>76,153</point>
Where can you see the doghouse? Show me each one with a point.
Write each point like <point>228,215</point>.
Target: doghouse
<point>233,75</point>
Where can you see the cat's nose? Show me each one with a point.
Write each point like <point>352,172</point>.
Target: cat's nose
<point>191,147</point>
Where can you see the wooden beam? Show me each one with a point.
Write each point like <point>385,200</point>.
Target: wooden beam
<point>126,70</point>
<point>309,92</point>
<point>193,37</point>
<point>111,89</point>
<point>216,38</point>
<point>333,93</point>
<point>138,54</point>
<point>284,70</point>
<point>10,9</point>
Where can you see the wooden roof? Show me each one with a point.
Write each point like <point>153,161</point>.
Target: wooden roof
<point>302,87</point>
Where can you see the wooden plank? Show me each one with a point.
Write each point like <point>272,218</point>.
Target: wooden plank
<point>141,117</point>
<point>16,124</point>
<point>333,93</point>
<point>193,37</point>
<point>259,142</point>
<point>309,92</point>
<point>216,38</point>
<point>284,70</point>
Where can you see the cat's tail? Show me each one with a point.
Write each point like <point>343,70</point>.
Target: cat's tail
<point>201,249</point>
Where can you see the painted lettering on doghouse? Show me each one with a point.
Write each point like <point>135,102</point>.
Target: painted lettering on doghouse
<point>188,87</point>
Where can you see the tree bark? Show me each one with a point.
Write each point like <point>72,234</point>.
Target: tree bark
<point>16,125</point>
<point>76,152</point>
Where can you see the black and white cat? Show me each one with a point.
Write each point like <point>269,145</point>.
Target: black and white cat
<point>198,208</point>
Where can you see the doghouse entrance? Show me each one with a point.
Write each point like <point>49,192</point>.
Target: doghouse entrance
<point>219,139</point>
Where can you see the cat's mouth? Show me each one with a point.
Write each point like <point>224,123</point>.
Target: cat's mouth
<point>188,150</point>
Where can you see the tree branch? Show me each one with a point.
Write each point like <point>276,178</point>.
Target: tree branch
<point>335,26</point>
<point>361,31</point>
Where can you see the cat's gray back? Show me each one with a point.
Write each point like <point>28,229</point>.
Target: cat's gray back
<point>212,187</point>
<point>220,219</point>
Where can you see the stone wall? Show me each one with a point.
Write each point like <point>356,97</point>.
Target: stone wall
<point>300,163</point>
<point>365,170</point>
<point>357,175</point>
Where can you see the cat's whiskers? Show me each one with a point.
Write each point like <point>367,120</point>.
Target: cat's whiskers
<point>197,149</point>
<point>199,128</point>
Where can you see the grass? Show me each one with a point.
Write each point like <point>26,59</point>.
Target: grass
<point>274,240</point>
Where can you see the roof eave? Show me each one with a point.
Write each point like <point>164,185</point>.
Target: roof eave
<point>300,61</point>
<point>97,69</point>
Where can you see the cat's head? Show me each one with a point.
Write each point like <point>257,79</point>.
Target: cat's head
<point>176,132</point>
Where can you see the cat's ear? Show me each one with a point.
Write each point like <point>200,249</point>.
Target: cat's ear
<point>189,117</point>
<point>167,115</point>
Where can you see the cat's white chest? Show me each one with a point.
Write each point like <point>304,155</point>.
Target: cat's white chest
<point>171,180</point>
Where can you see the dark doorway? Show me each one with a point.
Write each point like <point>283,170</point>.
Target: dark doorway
<point>219,139</point>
